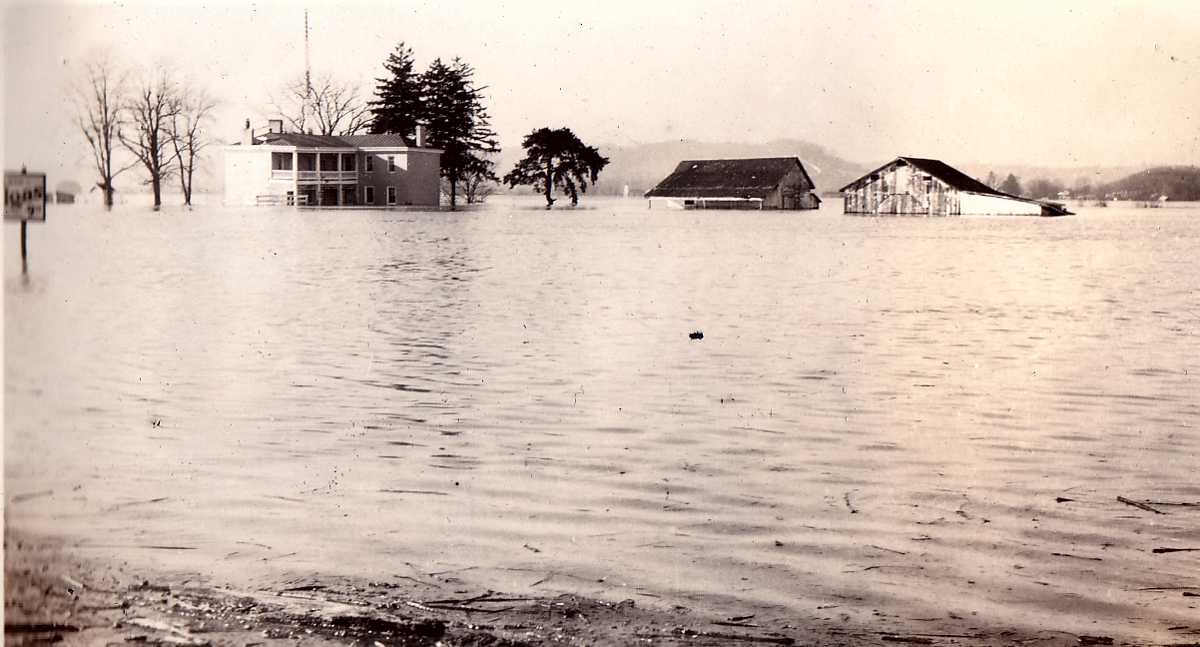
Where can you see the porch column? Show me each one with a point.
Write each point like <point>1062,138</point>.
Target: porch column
<point>295,179</point>
<point>339,183</point>
<point>319,185</point>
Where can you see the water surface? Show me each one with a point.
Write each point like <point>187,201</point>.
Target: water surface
<point>880,421</point>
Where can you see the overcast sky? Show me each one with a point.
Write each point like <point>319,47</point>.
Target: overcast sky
<point>1040,83</point>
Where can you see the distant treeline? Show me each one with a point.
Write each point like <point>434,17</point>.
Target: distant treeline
<point>1177,183</point>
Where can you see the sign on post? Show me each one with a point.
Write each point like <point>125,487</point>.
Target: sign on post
<point>24,196</point>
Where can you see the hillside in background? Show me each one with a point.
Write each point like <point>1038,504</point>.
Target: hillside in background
<point>1178,183</point>
<point>642,166</point>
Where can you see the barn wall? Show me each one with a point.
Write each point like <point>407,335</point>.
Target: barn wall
<point>794,193</point>
<point>974,204</point>
<point>900,189</point>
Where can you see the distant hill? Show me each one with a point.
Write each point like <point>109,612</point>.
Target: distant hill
<point>1178,183</point>
<point>642,166</point>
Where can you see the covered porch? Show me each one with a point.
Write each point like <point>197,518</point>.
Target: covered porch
<point>326,177</point>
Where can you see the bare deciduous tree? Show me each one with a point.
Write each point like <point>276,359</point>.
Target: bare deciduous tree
<point>478,180</point>
<point>98,112</point>
<point>185,130</point>
<point>327,107</point>
<point>150,110</point>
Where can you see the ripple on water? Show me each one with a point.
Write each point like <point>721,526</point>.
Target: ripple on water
<point>479,382</point>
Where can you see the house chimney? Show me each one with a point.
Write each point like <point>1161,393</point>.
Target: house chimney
<point>420,136</point>
<point>275,126</point>
<point>247,135</point>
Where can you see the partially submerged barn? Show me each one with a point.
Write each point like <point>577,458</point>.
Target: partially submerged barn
<point>915,186</point>
<point>765,183</point>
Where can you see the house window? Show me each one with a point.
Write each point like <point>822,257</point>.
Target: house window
<point>370,166</point>
<point>348,161</point>
<point>391,163</point>
<point>281,161</point>
<point>369,193</point>
<point>391,195</point>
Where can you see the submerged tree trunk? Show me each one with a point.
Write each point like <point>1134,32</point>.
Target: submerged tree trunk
<point>183,186</point>
<point>156,183</point>
<point>187,188</point>
<point>107,186</point>
<point>453,192</point>
<point>549,186</point>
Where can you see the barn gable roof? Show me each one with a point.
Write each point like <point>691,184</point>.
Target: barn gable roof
<point>736,178</point>
<point>953,177</point>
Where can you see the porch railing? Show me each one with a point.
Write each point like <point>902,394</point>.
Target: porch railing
<point>312,176</point>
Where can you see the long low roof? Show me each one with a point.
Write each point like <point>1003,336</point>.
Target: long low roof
<point>301,140</point>
<point>728,178</point>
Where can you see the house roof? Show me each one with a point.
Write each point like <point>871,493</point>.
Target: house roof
<point>951,176</point>
<point>738,178</point>
<point>382,139</point>
<point>301,140</point>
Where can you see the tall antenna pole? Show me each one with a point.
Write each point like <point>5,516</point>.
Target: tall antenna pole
<point>308,89</point>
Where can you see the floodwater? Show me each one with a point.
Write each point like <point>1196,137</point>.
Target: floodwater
<point>896,421</point>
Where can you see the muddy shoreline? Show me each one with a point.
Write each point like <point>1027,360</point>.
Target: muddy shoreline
<point>55,593</point>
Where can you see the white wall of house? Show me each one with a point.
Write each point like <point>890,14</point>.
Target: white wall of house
<point>248,175</point>
<point>975,204</point>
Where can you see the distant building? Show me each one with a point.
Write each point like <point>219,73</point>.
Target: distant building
<point>65,191</point>
<point>327,170</point>
<point>914,186</point>
<point>766,183</point>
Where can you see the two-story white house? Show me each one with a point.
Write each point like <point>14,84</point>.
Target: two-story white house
<point>325,170</point>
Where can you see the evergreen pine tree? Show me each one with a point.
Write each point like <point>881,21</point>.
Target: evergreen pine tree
<point>397,107</point>
<point>457,121</point>
<point>557,158</point>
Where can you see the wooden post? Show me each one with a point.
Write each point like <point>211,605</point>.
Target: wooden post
<point>339,180</point>
<point>319,185</point>
<point>295,178</point>
<point>24,255</point>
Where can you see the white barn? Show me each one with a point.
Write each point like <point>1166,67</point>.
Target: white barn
<point>915,186</point>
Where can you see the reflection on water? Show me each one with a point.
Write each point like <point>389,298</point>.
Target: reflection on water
<point>904,417</point>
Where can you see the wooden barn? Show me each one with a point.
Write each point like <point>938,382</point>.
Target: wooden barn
<point>766,183</point>
<point>913,186</point>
